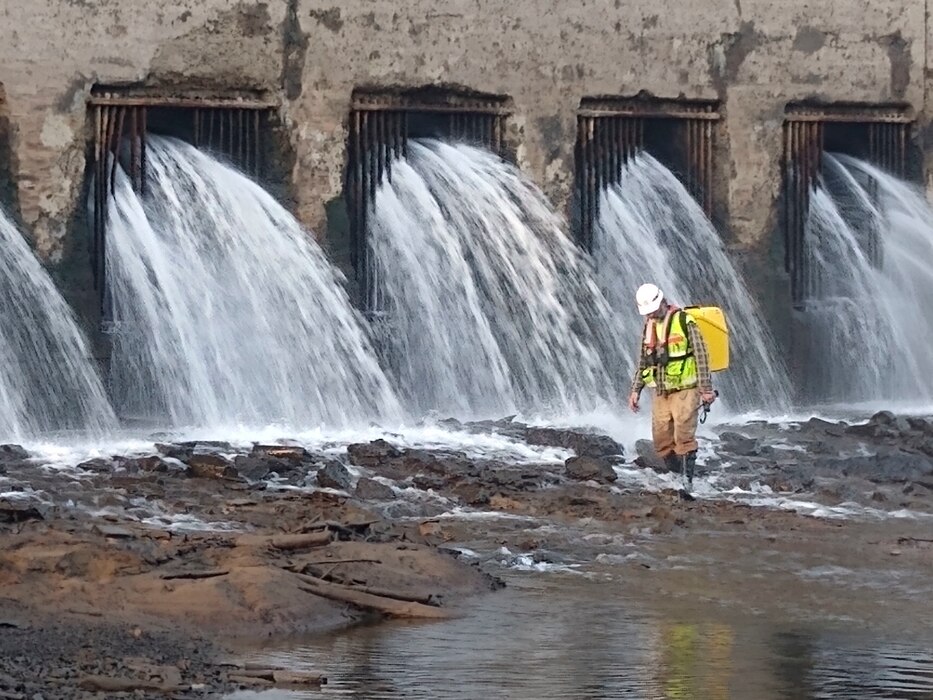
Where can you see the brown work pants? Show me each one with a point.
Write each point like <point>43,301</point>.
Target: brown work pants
<point>674,422</point>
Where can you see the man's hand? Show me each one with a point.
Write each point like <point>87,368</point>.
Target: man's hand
<point>708,397</point>
<point>633,402</point>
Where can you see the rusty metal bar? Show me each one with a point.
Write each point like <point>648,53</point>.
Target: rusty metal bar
<point>708,174</point>
<point>196,121</point>
<point>98,214</point>
<point>257,146</point>
<point>220,131</point>
<point>210,129</point>
<point>116,147</point>
<point>135,157</point>
<point>181,102</point>
<point>144,121</point>
<point>591,190</point>
<point>902,152</point>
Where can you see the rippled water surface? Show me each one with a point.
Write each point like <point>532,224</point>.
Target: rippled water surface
<point>566,636</point>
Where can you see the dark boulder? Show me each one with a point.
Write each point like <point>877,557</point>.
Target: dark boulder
<point>372,490</point>
<point>583,443</point>
<point>13,453</point>
<point>254,468</point>
<point>648,458</point>
<point>284,453</point>
<point>333,475</point>
<point>739,445</point>
<point>590,468</point>
<point>372,454</point>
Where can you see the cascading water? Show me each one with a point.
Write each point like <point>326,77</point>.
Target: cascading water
<point>48,382</point>
<point>491,308</point>
<point>869,244</point>
<point>651,230</point>
<point>225,311</point>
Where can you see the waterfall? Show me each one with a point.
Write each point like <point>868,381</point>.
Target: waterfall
<point>48,381</point>
<point>869,244</point>
<point>651,230</point>
<point>489,308</point>
<point>225,311</point>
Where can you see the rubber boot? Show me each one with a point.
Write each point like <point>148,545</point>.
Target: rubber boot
<point>673,463</point>
<point>689,467</point>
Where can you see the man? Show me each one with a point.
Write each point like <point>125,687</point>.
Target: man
<point>674,361</point>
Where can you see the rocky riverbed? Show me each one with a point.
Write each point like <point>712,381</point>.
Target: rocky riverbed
<point>136,570</point>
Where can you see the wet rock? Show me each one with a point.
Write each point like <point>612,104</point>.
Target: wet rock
<point>206,465</point>
<point>286,453</point>
<point>428,482</point>
<point>98,465</point>
<point>372,490</point>
<point>590,468</point>
<point>584,444</point>
<point>372,454</point>
<point>818,425</point>
<point>253,468</point>
<point>152,463</point>
<point>334,475</point>
<point>13,453</point>
<point>739,445</point>
<point>14,512</point>
<point>179,452</point>
<point>648,458</point>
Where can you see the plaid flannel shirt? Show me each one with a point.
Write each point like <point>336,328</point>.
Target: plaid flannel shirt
<point>700,352</point>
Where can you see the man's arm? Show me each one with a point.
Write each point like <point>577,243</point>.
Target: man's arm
<point>638,382</point>
<point>701,353</point>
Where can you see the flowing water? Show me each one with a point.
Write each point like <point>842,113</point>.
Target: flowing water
<point>869,238</point>
<point>225,311</point>
<point>564,636</point>
<point>651,230</point>
<point>48,379</point>
<point>490,307</point>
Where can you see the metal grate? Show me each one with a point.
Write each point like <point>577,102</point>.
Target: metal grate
<point>611,131</point>
<point>380,127</point>
<point>231,128</point>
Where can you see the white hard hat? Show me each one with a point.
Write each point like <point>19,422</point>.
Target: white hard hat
<point>649,298</point>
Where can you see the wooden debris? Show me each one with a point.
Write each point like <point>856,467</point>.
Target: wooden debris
<point>291,543</point>
<point>208,573</point>
<point>380,603</point>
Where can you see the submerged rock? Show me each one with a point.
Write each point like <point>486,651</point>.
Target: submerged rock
<point>590,468</point>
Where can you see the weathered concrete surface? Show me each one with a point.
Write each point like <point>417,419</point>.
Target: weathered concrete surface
<point>753,55</point>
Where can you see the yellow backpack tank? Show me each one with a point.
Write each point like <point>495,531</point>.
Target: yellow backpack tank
<point>712,324</point>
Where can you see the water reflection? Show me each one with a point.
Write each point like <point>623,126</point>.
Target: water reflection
<point>567,637</point>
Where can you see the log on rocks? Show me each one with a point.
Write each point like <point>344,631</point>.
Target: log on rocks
<point>209,573</point>
<point>124,685</point>
<point>290,543</point>
<point>387,606</point>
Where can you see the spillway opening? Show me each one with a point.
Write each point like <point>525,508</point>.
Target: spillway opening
<point>381,125</point>
<point>240,131</point>
<point>680,134</point>
<point>879,135</point>
<point>856,235</point>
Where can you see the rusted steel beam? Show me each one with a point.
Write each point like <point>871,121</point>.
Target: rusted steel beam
<point>257,146</point>
<point>189,103</point>
<point>197,127</point>
<point>640,114</point>
<point>823,118</point>
<point>708,170</point>
<point>144,129</point>
<point>440,109</point>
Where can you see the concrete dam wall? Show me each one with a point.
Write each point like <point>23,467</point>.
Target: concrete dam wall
<point>731,93</point>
